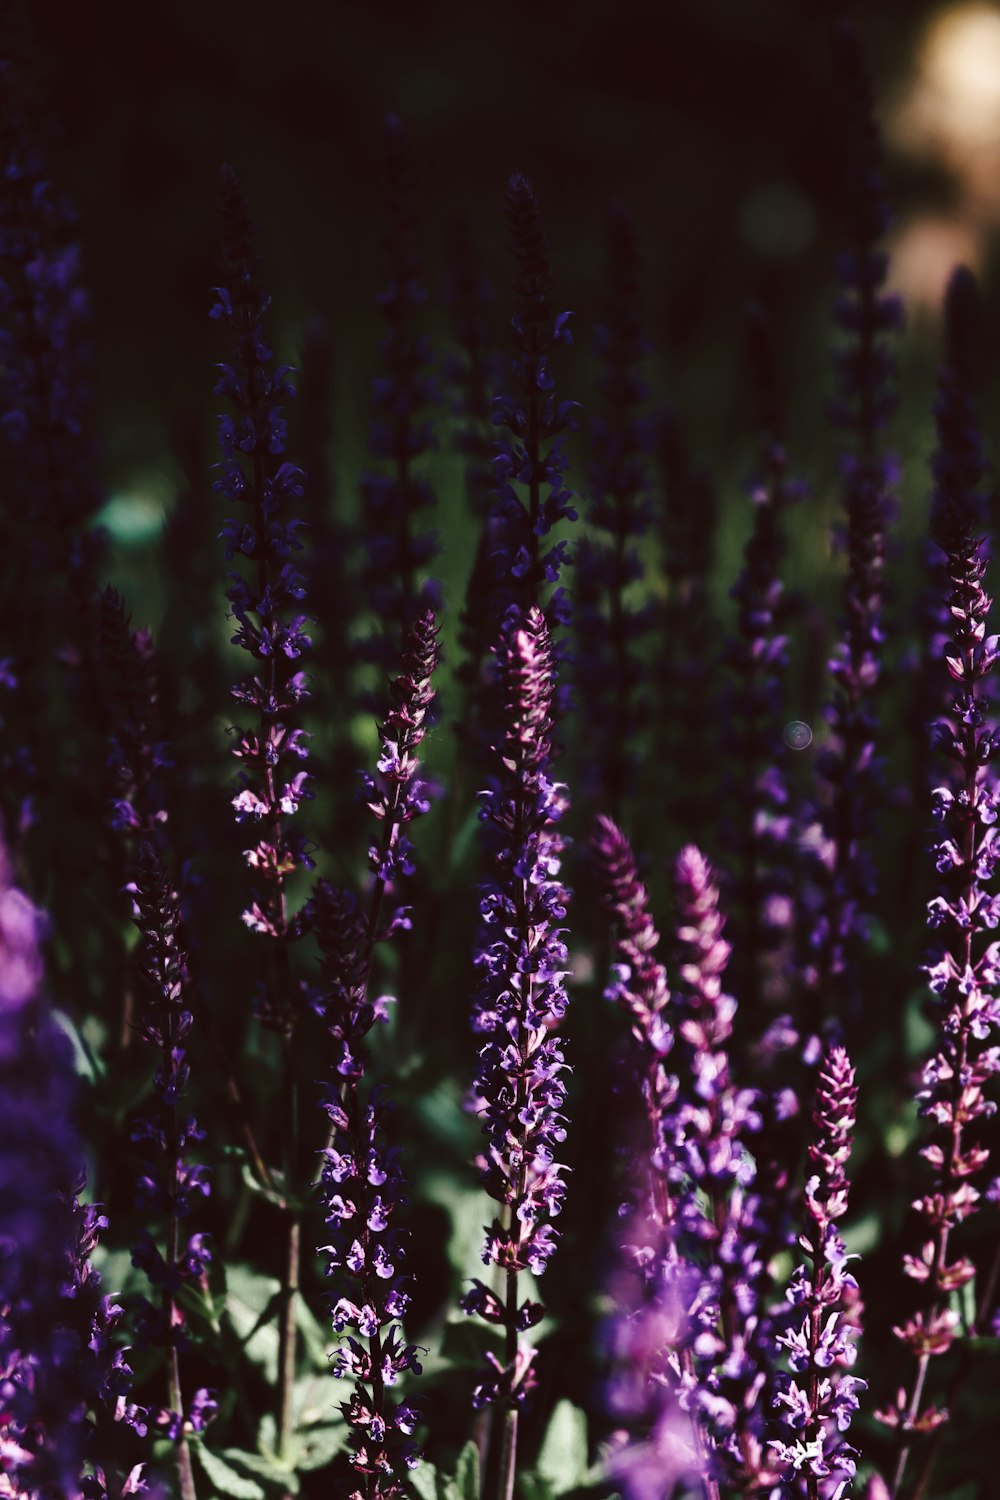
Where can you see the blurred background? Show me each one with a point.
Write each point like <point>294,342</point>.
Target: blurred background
<point>715,122</point>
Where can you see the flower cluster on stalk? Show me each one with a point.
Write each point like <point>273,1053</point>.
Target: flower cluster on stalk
<point>126,663</point>
<point>963,970</point>
<point>686,690</point>
<point>693,1340</point>
<point>866,316</point>
<point>56,1356</point>
<point>51,491</point>
<point>401,432</point>
<point>170,1186</point>
<point>817,1400</point>
<point>759,827</point>
<point>520,1002</point>
<point>363,1183</point>
<point>266,598</point>
<point>607,627</point>
<point>531,458</point>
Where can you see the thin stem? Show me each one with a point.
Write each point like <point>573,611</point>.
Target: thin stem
<point>290,1278</point>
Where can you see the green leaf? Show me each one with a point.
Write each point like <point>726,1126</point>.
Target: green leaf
<point>319,1446</point>
<point>424,1482</point>
<point>467,1472</point>
<point>563,1459</point>
<point>534,1487</point>
<point>251,1301</point>
<point>314,1336</point>
<point>253,1182</point>
<point>464,1344</point>
<point>225,1480</point>
<point>317,1400</point>
<point>268,1466</point>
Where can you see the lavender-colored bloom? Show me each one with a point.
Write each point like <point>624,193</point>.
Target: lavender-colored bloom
<point>50,492</point>
<point>474,371</point>
<point>712,1124</point>
<point>849,763</point>
<point>169,1185</point>
<point>401,430</point>
<point>760,822</point>
<point>520,1003</point>
<point>818,1400</point>
<point>266,601</point>
<point>963,970</point>
<point>126,665</point>
<point>532,456</point>
<point>959,466</point>
<point>54,1330</point>
<point>362,1177</point>
<point>693,1231</point>
<point>607,626</point>
<point>686,690</point>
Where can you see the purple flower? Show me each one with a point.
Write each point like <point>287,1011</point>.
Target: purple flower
<point>692,1336</point>
<point>608,628</point>
<point>136,752</point>
<point>401,434</point>
<point>530,495</point>
<point>849,763</point>
<point>822,1301</point>
<point>521,999</point>
<point>686,696</point>
<point>169,1183</point>
<point>962,968</point>
<point>265,600</point>
<point>55,1354</point>
<point>362,1176</point>
<point>759,827</point>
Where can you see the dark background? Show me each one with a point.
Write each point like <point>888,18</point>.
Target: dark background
<point>715,121</point>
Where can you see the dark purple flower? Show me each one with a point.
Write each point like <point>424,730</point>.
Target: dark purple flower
<point>760,823</point>
<point>817,1400</point>
<point>963,968</point>
<point>530,496</point>
<point>169,1183</point>
<point>607,626</point>
<point>265,599</point>
<point>849,763</point>
<point>521,1001</point>
<point>692,1339</point>
<point>395,497</point>
<point>55,1353</point>
<point>686,686</point>
<point>127,674</point>
<point>362,1178</point>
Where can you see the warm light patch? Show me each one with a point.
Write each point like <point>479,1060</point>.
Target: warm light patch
<point>951,110</point>
<point>924,253</point>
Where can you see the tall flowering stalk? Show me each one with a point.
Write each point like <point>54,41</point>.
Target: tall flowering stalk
<point>687,708</point>
<point>760,823</point>
<point>56,1361</point>
<point>396,496</point>
<point>713,1123</point>
<point>607,625</point>
<point>696,1341</point>
<point>474,372</point>
<point>866,315</point>
<point>532,456</point>
<point>964,969</point>
<point>362,1178</point>
<point>520,1003</point>
<point>818,1400</point>
<point>265,601</point>
<point>170,1185</point>
<point>652,1356</point>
